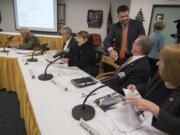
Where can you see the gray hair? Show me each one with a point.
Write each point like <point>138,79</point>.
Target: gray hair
<point>145,43</point>
<point>65,29</point>
<point>24,30</point>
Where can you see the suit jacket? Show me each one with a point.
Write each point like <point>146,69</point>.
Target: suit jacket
<point>136,72</point>
<point>72,45</point>
<point>169,115</point>
<point>30,43</point>
<point>135,28</point>
<point>83,57</point>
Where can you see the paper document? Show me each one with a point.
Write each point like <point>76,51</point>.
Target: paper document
<point>121,113</point>
<point>18,51</point>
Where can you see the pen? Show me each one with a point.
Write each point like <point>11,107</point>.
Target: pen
<point>84,95</point>
<point>140,113</point>
<point>123,97</point>
<point>58,85</point>
<point>32,74</point>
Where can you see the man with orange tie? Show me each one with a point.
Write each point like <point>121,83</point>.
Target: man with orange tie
<point>122,35</point>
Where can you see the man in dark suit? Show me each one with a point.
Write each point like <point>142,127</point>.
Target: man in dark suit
<point>136,69</point>
<point>69,40</point>
<point>122,35</point>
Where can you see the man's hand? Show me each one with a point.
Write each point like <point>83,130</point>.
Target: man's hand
<point>113,54</point>
<point>64,60</point>
<point>13,45</point>
<point>131,87</point>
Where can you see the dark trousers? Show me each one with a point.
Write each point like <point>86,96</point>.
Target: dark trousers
<point>154,67</point>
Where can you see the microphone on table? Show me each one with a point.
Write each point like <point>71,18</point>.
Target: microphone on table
<point>45,76</point>
<point>84,111</point>
<point>62,53</point>
<point>43,47</point>
<point>115,76</point>
<point>118,75</point>
<point>8,39</point>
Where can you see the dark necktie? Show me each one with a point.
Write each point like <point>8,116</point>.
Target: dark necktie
<point>124,64</point>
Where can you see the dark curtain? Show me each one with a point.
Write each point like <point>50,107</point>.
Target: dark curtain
<point>110,20</point>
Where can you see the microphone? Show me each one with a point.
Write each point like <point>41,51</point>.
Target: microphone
<point>43,47</point>
<point>110,79</point>
<point>117,75</point>
<point>45,76</point>
<point>86,112</point>
<point>62,53</point>
<point>8,39</point>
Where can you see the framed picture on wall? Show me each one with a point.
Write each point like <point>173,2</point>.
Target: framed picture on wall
<point>159,17</point>
<point>61,15</point>
<point>95,18</point>
<point>0,16</point>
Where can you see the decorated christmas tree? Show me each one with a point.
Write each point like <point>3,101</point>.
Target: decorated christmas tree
<point>140,16</point>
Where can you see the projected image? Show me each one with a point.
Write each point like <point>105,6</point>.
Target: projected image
<point>36,14</point>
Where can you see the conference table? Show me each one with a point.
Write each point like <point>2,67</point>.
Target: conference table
<point>55,42</point>
<point>46,106</point>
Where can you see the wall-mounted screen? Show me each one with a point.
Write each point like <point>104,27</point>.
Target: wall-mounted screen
<point>37,15</point>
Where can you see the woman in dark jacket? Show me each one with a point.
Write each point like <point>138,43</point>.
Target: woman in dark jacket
<point>83,55</point>
<point>162,96</point>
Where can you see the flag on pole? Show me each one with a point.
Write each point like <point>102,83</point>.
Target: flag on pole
<point>109,20</point>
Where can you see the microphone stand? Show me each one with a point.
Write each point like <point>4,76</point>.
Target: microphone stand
<point>4,49</point>
<point>41,47</point>
<point>45,76</point>
<point>86,112</point>
<point>32,59</point>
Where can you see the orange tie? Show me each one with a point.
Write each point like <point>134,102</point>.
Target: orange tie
<point>124,42</point>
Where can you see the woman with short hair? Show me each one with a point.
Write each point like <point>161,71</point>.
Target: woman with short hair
<point>83,55</point>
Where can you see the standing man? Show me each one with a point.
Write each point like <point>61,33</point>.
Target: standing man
<point>122,35</point>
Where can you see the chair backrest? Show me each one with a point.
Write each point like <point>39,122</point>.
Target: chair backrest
<point>107,61</point>
<point>96,39</point>
<point>103,72</point>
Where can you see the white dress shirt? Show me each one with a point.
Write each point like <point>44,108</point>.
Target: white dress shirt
<point>67,43</point>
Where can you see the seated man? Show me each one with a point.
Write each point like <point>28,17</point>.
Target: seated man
<point>136,69</point>
<point>29,41</point>
<point>69,40</point>
<point>83,54</point>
